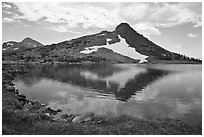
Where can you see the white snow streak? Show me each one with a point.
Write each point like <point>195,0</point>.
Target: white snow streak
<point>120,47</point>
<point>9,44</point>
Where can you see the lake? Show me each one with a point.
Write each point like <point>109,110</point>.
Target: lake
<point>110,90</point>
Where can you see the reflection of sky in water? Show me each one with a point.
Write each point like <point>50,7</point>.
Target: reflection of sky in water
<point>120,78</point>
<point>169,95</point>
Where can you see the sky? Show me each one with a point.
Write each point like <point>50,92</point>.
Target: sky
<point>174,26</point>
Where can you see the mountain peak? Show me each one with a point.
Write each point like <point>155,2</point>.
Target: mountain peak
<point>27,39</point>
<point>123,26</point>
<point>29,42</point>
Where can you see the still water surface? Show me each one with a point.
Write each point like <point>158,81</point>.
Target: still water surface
<point>110,90</point>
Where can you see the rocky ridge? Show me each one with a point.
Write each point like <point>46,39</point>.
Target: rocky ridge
<point>101,47</point>
<point>26,43</point>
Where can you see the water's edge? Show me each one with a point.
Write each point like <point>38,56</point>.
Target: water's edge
<point>14,115</point>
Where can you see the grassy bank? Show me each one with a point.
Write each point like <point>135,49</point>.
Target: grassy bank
<point>20,118</point>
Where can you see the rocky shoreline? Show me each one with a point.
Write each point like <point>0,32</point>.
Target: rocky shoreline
<point>36,107</point>
<point>88,62</point>
<point>23,116</point>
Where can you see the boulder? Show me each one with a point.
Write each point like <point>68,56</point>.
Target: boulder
<point>58,118</point>
<point>51,111</point>
<point>43,116</point>
<point>69,118</point>
<point>10,88</point>
<point>36,105</point>
<point>64,116</point>
<point>47,114</point>
<point>83,118</point>
<point>22,95</point>
<point>22,100</point>
<point>59,110</point>
<point>33,102</point>
<point>42,110</point>
<point>43,105</point>
<point>12,84</point>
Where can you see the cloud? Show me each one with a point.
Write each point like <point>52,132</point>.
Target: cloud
<point>7,20</point>
<point>135,12</point>
<point>178,46</point>
<point>12,18</point>
<point>147,18</point>
<point>6,6</point>
<point>170,15</point>
<point>62,29</point>
<point>146,29</point>
<point>163,15</point>
<point>72,14</point>
<point>7,12</point>
<point>191,35</point>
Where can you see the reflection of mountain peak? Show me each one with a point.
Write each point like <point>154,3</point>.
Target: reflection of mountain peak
<point>139,82</point>
<point>121,81</point>
<point>120,77</point>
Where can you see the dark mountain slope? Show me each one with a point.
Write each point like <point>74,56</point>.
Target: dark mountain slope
<point>27,43</point>
<point>99,47</point>
<point>142,44</point>
<point>30,43</point>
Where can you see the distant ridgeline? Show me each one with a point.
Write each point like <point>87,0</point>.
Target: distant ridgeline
<point>123,45</point>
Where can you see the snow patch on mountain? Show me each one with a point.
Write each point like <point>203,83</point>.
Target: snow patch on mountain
<point>101,34</point>
<point>11,44</point>
<point>120,47</point>
<point>143,61</point>
<point>15,48</point>
<point>108,39</point>
<point>89,50</point>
